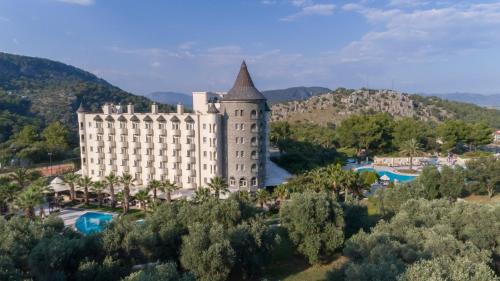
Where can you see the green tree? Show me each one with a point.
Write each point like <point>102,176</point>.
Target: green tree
<point>452,133</point>
<point>143,197</point>
<point>278,133</point>
<point>201,194</point>
<point>27,136</point>
<point>168,187</point>
<point>28,200</point>
<point>71,179</point>
<point>484,174</point>
<point>98,187</point>
<point>154,185</point>
<point>127,181</point>
<point>8,271</point>
<point>262,197</point>
<point>8,192</point>
<point>111,181</point>
<point>85,182</point>
<point>207,252</point>
<point>56,137</point>
<point>161,272</point>
<point>479,134</point>
<point>315,224</point>
<point>411,148</point>
<point>281,192</point>
<point>218,185</point>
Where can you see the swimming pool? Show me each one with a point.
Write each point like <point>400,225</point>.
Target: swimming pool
<point>392,176</point>
<point>92,222</point>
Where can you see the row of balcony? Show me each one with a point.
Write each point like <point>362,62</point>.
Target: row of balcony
<point>176,146</point>
<point>163,158</point>
<point>149,131</point>
<point>152,170</point>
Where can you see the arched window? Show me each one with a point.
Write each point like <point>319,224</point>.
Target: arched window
<point>254,168</point>
<point>254,181</point>
<point>253,114</point>
<point>243,182</point>
<point>253,128</point>
<point>254,154</point>
<point>232,181</point>
<point>254,141</point>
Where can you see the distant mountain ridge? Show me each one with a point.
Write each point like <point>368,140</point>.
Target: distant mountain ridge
<point>478,99</point>
<point>171,98</point>
<point>293,93</point>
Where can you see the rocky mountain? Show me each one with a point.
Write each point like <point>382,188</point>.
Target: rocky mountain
<point>37,90</point>
<point>294,93</point>
<point>171,98</point>
<point>333,107</point>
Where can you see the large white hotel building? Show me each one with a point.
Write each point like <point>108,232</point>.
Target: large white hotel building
<point>226,135</point>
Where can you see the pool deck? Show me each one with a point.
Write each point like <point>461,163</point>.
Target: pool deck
<point>70,215</point>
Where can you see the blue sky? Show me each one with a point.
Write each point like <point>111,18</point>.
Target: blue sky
<point>152,45</point>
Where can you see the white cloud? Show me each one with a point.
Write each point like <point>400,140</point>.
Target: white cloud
<point>424,34</point>
<point>315,9</point>
<point>78,2</point>
<point>268,2</point>
<point>4,19</point>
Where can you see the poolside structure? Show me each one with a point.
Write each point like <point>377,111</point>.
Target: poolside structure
<point>225,135</point>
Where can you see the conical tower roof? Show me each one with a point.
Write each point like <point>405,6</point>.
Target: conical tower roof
<point>243,88</point>
<point>81,108</point>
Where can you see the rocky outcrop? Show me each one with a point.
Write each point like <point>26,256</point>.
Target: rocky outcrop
<point>334,106</point>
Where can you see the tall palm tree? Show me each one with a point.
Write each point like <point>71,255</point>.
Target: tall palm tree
<point>111,181</point>
<point>28,200</point>
<point>41,186</point>
<point>335,176</point>
<point>168,187</point>
<point>71,179</point>
<point>143,197</point>
<point>411,148</point>
<point>262,197</point>
<point>98,187</point>
<point>154,185</point>
<point>218,185</point>
<point>127,180</point>
<point>85,182</point>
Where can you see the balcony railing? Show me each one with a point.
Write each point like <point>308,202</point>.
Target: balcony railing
<point>137,144</point>
<point>100,143</point>
<point>101,155</point>
<point>176,132</point>
<point>124,144</point>
<point>191,147</point>
<point>137,131</point>
<point>125,156</point>
<point>149,145</point>
<point>112,144</point>
<point>113,156</point>
<point>126,169</point>
<point>177,146</point>
<point>190,133</point>
<point>191,160</point>
<point>163,145</point>
<point>192,173</point>
<point>164,158</point>
<point>177,159</point>
<point>123,131</point>
<point>138,169</point>
<point>100,131</point>
<point>149,131</point>
<point>111,131</point>
<point>163,132</point>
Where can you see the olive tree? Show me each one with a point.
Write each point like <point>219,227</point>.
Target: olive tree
<point>315,223</point>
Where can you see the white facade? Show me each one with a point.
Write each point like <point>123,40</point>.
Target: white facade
<point>182,147</point>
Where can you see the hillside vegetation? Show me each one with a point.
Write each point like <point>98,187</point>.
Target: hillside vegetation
<point>333,107</point>
<point>39,91</point>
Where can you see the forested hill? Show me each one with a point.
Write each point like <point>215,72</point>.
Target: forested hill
<point>37,90</point>
<point>333,107</point>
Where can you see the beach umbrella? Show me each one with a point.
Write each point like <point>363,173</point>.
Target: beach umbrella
<point>58,185</point>
<point>385,178</point>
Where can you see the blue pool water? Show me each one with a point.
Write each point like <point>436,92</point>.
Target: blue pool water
<point>392,176</point>
<point>92,222</point>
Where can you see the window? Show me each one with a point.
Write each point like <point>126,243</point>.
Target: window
<point>254,154</point>
<point>243,182</point>
<point>148,125</point>
<point>236,112</point>
<point>123,125</point>
<point>204,139</point>
<point>232,181</point>
<point>253,128</point>
<point>241,112</point>
<point>204,166</point>
<point>254,168</point>
<point>81,125</point>
<point>204,126</point>
<point>254,141</point>
<point>254,181</point>
<point>135,125</point>
<point>189,126</point>
<point>175,126</point>
<point>253,114</point>
<point>204,154</point>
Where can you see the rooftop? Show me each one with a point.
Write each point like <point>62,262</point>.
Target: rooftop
<point>243,88</point>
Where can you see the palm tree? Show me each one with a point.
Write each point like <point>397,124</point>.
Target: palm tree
<point>411,148</point>
<point>111,180</point>
<point>127,180</point>
<point>143,197</point>
<point>281,192</point>
<point>85,182</point>
<point>262,197</point>
<point>168,187</point>
<point>8,193</point>
<point>335,176</point>
<point>201,194</point>
<point>71,179</point>
<point>21,176</point>
<point>218,185</point>
<point>28,200</point>
<point>98,187</point>
<point>154,185</point>
<point>41,186</point>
